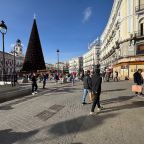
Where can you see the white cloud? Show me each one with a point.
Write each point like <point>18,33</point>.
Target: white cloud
<point>87,14</point>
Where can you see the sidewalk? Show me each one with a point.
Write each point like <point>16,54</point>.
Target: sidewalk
<point>56,116</point>
<point>7,92</point>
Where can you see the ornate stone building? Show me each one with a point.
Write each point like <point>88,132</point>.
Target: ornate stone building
<point>91,58</point>
<point>123,38</point>
<point>9,59</point>
<point>76,65</point>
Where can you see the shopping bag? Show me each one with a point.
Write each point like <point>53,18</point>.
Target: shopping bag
<point>91,96</point>
<point>137,88</point>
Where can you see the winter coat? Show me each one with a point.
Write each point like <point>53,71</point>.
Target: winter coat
<point>87,82</point>
<point>34,79</point>
<point>96,83</point>
<point>138,78</point>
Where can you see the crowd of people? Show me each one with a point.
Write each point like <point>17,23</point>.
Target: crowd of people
<point>44,77</point>
<point>91,83</point>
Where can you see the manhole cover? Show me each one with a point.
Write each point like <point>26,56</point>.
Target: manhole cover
<point>46,114</point>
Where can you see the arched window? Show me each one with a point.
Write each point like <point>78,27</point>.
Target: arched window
<point>141,27</point>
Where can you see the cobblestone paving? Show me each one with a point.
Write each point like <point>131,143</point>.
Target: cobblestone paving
<point>56,116</point>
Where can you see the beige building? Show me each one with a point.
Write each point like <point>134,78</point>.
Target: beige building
<point>91,58</point>
<point>63,67</point>
<point>123,38</point>
<point>75,65</point>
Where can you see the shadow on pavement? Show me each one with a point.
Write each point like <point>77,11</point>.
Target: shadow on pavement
<point>82,123</point>
<point>77,143</point>
<point>112,90</point>
<point>5,108</point>
<point>8,136</point>
<point>133,105</point>
<point>117,99</point>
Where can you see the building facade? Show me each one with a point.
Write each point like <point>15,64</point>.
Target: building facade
<point>63,67</point>
<point>92,57</point>
<point>123,38</point>
<point>76,65</point>
<point>9,59</point>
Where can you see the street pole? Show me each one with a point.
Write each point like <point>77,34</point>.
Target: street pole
<point>58,60</point>
<point>3,30</point>
<point>14,67</point>
<point>3,70</point>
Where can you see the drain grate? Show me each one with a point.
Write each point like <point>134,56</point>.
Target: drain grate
<point>46,114</point>
<point>56,107</point>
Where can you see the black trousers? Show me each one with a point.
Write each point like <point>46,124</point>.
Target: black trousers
<point>96,101</point>
<point>34,87</point>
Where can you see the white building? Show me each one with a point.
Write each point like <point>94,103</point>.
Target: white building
<point>75,65</point>
<point>91,58</point>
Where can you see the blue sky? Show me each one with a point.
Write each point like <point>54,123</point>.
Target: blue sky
<point>67,25</point>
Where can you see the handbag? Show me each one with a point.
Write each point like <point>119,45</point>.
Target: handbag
<point>137,88</point>
<point>91,96</point>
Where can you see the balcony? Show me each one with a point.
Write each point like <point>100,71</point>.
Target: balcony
<point>139,9</point>
<point>139,36</point>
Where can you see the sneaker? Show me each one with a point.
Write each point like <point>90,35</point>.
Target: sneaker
<point>33,93</point>
<point>92,113</point>
<point>99,109</point>
<point>140,95</point>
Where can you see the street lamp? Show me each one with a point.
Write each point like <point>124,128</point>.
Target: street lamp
<point>58,59</point>
<point>3,30</point>
<point>14,70</point>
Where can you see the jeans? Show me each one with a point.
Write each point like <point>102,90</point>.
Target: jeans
<point>85,92</point>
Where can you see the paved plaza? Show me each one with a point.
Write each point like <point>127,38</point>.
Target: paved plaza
<point>56,116</point>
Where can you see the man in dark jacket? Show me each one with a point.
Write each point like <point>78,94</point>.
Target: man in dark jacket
<point>34,84</point>
<point>96,89</point>
<point>86,85</point>
<point>138,78</point>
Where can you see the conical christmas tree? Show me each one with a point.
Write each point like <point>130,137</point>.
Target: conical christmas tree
<point>34,59</point>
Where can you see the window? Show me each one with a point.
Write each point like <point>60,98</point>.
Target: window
<point>141,29</point>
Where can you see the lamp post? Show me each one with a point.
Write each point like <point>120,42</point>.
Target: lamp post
<point>3,30</point>
<point>14,72</point>
<point>58,59</point>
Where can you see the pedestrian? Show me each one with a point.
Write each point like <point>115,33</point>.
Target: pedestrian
<point>72,78</point>
<point>56,78</point>
<point>82,76</point>
<point>138,80</point>
<point>44,80</point>
<point>103,75</point>
<point>142,75</point>
<point>96,89</point>
<point>86,86</point>
<point>34,84</point>
<point>115,76</point>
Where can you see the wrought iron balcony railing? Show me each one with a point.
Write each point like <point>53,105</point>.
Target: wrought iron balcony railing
<point>140,34</point>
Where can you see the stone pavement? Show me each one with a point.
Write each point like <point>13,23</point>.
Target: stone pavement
<point>56,116</point>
